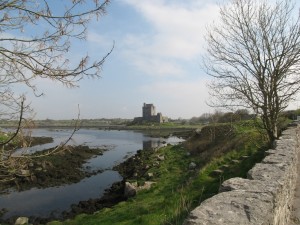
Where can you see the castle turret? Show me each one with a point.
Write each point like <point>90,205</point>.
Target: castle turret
<point>149,114</point>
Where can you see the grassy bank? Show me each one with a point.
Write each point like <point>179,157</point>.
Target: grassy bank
<point>219,152</point>
<point>150,129</point>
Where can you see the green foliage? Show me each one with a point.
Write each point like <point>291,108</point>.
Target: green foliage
<point>70,123</point>
<point>3,137</point>
<point>6,136</point>
<point>178,189</point>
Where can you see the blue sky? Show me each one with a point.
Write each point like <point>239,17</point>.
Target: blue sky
<point>156,59</point>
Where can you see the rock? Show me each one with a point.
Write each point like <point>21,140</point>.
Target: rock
<point>129,190</point>
<point>22,221</point>
<point>235,161</point>
<point>270,152</point>
<point>134,184</point>
<point>192,166</point>
<point>147,185</point>
<point>156,163</point>
<point>25,173</point>
<point>198,131</point>
<point>237,183</point>
<point>224,167</point>
<point>264,198</point>
<point>232,208</point>
<point>161,158</point>
<point>150,175</point>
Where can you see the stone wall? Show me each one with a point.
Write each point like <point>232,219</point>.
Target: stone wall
<point>265,197</point>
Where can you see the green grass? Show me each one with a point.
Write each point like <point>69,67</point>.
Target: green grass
<point>3,137</point>
<point>178,190</point>
<point>168,125</point>
<point>149,206</point>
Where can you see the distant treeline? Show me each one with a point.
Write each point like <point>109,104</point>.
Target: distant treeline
<point>70,123</point>
<point>238,115</point>
<point>205,118</point>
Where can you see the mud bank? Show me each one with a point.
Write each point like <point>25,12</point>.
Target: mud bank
<point>67,168</point>
<point>55,170</point>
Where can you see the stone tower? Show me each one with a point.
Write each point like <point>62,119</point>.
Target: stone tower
<point>148,111</point>
<point>149,115</point>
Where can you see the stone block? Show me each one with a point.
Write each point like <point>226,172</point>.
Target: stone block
<point>264,198</point>
<point>242,184</point>
<point>232,208</point>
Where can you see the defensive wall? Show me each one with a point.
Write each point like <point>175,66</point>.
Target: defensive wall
<point>264,198</point>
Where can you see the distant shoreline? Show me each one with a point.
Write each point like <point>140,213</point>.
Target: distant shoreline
<point>158,130</point>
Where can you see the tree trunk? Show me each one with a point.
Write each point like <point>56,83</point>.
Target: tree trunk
<point>270,126</point>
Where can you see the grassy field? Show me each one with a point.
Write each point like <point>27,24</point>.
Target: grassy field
<point>155,129</point>
<point>231,149</point>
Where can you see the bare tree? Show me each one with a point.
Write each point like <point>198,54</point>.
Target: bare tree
<point>35,37</point>
<point>35,41</point>
<point>254,56</point>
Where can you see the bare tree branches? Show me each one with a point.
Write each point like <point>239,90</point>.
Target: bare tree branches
<point>25,55</point>
<point>18,127</point>
<point>254,56</point>
<point>35,39</point>
<point>14,164</point>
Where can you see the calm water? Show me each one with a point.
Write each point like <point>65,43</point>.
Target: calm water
<point>52,201</point>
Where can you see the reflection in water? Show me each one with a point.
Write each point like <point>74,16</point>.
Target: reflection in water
<point>52,201</point>
<point>151,144</point>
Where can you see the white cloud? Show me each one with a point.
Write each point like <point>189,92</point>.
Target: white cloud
<point>156,67</point>
<point>178,33</point>
<point>179,27</point>
<point>98,40</point>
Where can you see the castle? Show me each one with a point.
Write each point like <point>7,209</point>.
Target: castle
<point>149,115</point>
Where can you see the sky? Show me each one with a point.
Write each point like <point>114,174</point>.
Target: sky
<point>157,57</point>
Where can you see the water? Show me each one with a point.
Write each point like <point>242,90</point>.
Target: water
<point>52,201</point>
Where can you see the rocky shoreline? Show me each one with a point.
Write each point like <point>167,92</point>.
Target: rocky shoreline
<point>112,196</point>
<point>133,168</point>
<point>59,169</point>
<point>67,167</point>
<point>55,170</point>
